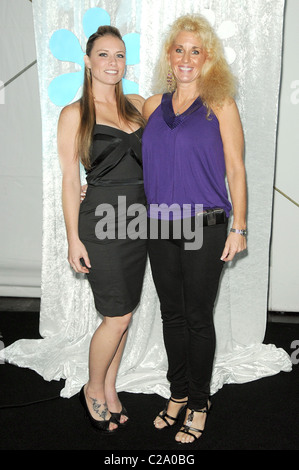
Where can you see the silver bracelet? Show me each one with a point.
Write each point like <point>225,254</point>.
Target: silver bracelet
<point>241,232</point>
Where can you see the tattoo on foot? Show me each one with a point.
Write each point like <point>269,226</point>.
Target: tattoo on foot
<point>96,408</point>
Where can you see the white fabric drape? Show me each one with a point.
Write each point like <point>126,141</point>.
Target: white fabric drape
<point>252,34</point>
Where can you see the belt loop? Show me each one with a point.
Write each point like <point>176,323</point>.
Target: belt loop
<point>211,217</point>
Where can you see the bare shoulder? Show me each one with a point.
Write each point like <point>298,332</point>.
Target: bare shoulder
<point>70,115</point>
<point>151,104</point>
<point>228,109</point>
<point>137,101</point>
<point>230,124</point>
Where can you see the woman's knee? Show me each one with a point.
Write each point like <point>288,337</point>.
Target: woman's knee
<point>119,324</point>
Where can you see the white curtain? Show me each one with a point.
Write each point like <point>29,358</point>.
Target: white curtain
<point>252,35</point>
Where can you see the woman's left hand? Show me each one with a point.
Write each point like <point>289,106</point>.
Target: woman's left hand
<point>235,243</point>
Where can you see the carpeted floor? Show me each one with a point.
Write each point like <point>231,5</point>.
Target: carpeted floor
<point>260,415</point>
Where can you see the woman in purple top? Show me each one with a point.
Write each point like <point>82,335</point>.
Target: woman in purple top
<point>193,138</point>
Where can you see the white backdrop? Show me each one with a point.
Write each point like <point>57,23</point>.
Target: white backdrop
<point>284,256</point>
<point>249,30</point>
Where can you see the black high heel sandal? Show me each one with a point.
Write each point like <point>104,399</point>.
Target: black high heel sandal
<point>187,428</point>
<point>164,415</point>
<point>102,426</point>
<point>116,417</point>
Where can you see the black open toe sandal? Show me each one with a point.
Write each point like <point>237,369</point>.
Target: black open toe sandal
<point>187,428</point>
<point>116,417</point>
<point>102,426</point>
<point>164,415</point>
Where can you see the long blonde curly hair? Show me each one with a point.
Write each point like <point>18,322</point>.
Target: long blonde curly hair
<point>217,82</point>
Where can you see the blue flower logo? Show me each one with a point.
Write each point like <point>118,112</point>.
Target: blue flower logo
<point>65,46</point>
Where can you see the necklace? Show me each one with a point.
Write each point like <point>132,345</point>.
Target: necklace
<point>184,104</point>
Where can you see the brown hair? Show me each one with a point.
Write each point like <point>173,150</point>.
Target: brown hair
<point>217,82</point>
<point>127,112</point>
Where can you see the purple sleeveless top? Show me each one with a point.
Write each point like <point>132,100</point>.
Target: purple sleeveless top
<point>183,158</point>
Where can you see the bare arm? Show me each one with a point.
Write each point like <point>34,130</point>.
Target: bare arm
<point>137,101</point>
<point>233,145</point>
<point>150,105</point>
<point>71,186</point>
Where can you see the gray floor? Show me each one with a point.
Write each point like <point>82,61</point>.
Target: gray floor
<point>283,317</point>
<point>19,304</point>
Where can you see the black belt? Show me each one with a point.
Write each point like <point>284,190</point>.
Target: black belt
<point>209,217</point>
<point>212,217</point>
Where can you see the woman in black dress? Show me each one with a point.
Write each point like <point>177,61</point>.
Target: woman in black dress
<point>103,130</point>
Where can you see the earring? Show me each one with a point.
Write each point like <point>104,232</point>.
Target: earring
<point>170,79</point>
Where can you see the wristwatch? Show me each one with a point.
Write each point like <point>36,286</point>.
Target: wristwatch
<point>241,232</point>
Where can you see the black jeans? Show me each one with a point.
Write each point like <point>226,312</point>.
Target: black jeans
<point>187,283</point>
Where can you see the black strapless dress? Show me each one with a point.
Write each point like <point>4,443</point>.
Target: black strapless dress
<point>110,227</point>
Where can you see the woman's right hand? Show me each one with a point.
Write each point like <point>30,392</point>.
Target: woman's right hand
<point>83,192</point>
<point>78,257</point>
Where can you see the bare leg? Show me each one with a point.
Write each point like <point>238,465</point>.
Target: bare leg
<point>112,399</point>
<point>103,350</point>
